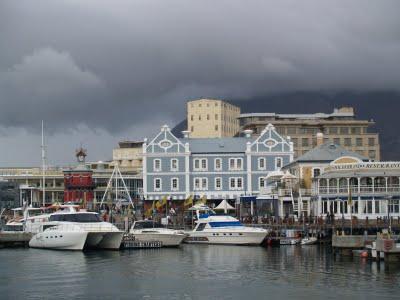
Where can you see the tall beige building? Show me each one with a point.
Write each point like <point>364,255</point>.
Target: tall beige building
<point>211,118</point>
<point>341,127</point>
<point>129,155</point>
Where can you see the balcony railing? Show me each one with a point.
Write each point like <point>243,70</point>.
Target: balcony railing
<point>363,189</point>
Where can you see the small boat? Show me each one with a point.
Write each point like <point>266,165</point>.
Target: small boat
<point>150,231</point>
<point>222,229</point>
<point>309,240</point>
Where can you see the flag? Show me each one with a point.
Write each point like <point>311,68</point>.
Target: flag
<point>161,202</point>
<point>188,201</point>
<point>149,211</point>
<point>203,200</point>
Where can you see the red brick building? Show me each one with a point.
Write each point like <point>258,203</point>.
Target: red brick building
<point>78,182</point>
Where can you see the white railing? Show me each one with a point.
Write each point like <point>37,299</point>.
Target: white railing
<point>363,189</point>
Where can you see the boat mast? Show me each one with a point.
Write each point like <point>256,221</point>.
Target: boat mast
<point>43,167</point>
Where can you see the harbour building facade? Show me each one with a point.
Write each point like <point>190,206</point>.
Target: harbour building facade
<point>212,118</point>
<point>214,168</point>
<point>350,187</point>
<point>341,127</point>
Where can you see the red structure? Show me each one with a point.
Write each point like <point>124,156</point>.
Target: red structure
<point>78,182</point>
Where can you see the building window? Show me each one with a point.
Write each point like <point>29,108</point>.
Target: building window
<point>200,183</point>
<point>372,154</point>
<point>157,165</point>
<point>216,116</point>
<point>359,142</point>
<point>208,117</point>
<point>347,142</point>
<point>199,117</point>
<point>333,130</point>
<point>216,127</point>
<point>235,183</point>
<point>204,164</point>
<point>336,141</point>
<point>291,130</point>
<point>235,164</point>
<point>217,164</point>
<point>200,164</point>
<point>157,184</point>
<point>174,184</point>
<point>191,117</point>
<point>278,163</point>
<point>344,130</point>
<point>192,128</point>
<point>371,142</point>
<point>174,164</point>
<point>261,182</point>
<point>218,183</point>
<point>262,163</point>
<point>232,183</point>
<point>304,142</point>
<point>316,172</point>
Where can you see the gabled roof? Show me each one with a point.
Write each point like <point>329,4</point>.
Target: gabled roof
<point>327,152</point>
<point>217,145</point>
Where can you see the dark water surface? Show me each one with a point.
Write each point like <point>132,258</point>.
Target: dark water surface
<point>194,272</point>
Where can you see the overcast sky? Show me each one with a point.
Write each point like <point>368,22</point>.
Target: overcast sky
<point>101,71</point>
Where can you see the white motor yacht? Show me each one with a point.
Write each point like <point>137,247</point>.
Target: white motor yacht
<point>149,230</point>
<point>223,229</point>
<point>68,227</point>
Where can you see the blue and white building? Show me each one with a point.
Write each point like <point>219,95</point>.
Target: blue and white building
<point>217,168</point>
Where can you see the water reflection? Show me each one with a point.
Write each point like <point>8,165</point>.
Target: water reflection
<point>194,271</point>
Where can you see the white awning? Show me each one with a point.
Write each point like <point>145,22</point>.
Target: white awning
<point>225,206</point>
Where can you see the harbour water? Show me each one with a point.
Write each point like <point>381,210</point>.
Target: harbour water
<point>194,272</point>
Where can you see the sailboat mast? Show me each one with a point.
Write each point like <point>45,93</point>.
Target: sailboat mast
<point>43,167</point>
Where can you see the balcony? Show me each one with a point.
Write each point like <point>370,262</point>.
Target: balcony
<point>363,189</point>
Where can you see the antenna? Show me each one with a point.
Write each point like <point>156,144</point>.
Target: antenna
<point>43,167</point>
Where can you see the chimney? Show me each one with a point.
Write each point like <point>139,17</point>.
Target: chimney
<point>185,134</point>
<point>320,138</point>
<point>248,133</point>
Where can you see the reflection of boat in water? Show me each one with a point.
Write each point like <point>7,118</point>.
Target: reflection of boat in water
<point>146,231</point>
<point>222,229</point>
<point>288,241</point>
<point>309,240</point>
<point>72,229</point>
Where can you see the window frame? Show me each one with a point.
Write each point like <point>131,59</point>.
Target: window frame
<point>172,164</point>
<point>259,163</point>
<point>172,184</point>
<point>220,164</point>
<point>154,165</point>
<point>155,184</point>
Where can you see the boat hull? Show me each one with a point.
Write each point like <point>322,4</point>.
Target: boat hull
<point>167,240</point>
<point>220,238</point>
<point>59,240</point>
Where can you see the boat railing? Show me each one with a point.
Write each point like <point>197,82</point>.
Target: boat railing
<point>92,227</point>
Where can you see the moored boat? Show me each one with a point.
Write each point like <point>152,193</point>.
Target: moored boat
<point>150,231</point>
<point>223,229</point>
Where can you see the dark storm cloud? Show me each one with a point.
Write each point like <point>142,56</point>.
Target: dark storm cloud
<point>115,65</point>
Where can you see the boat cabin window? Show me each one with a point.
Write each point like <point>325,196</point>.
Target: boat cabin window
<point>47,226</point>
<point>201,227</point>
<point>147,224</point>
<point>81,218</point>
<point>225,224</point>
